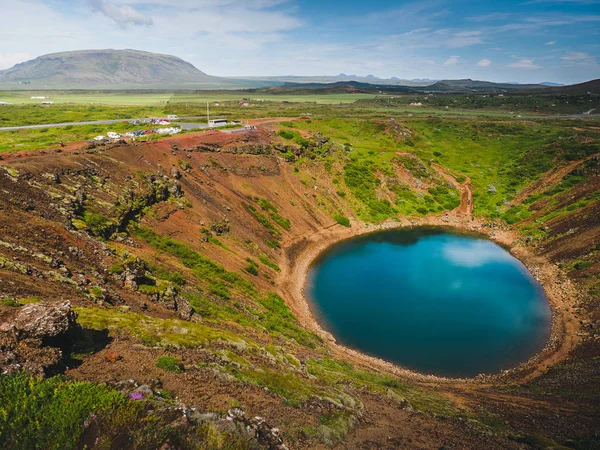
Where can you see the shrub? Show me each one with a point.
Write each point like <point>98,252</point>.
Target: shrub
<point>97,223</point>
<point>273,243</point>
<point>252,267</point>
<point>286,134</point>
<point>580,265</point>
<point>169,364</point>
<point>342,220</point>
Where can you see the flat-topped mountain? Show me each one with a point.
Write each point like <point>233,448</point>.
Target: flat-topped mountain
<point>107,69</point>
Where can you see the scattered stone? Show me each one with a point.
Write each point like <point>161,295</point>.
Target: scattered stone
<point>175,173</point>
<point>183,308</point>
<point>258,428</point>
<point>220,227</point>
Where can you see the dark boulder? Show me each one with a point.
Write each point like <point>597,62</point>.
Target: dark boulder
<point>33,339</point>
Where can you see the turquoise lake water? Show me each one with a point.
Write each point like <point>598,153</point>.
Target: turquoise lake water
<point>430,300</point>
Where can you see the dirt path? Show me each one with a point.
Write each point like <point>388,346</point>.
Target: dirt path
<point>466,195</point>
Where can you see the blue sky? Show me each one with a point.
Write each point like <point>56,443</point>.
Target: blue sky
<point>524,41</point>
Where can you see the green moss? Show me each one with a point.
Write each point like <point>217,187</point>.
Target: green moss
<point>96,292</point>
<point>9,301</point>
<point>79,224</point>
<point>169,364</point>
<point>287,385</point>
<point>116,268</point>
<point>154,331</point>
<point>29,300</point>
<point>97,223</point>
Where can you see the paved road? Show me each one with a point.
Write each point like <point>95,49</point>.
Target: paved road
<point>190,126</point>
<point>183,125</point>
<point>59,125</point>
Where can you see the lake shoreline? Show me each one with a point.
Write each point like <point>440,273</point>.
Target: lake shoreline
<point>560,293</point>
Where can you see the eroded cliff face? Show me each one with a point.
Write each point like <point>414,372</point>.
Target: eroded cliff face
<point>175,248</point>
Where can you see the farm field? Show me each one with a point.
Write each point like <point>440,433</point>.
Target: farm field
<point>159,98</point>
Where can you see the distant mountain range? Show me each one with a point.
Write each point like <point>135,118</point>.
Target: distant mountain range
<point>133,69</point>
<point>468,85</point>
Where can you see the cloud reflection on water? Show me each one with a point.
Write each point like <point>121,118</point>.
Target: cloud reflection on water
<point>475,253</point>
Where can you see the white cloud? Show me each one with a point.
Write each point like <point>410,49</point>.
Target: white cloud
<point>461,40</point>
<point>416,31</point>
<point>527,64</point>
<point>490,17</point>
<point>579,57</point>
<point>121,15</point>
<point>550,43</point>
<point>7,60</point>
<point>452,61</point>
<point>484,63</point>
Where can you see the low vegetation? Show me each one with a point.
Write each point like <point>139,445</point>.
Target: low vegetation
<point>56,413</point>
